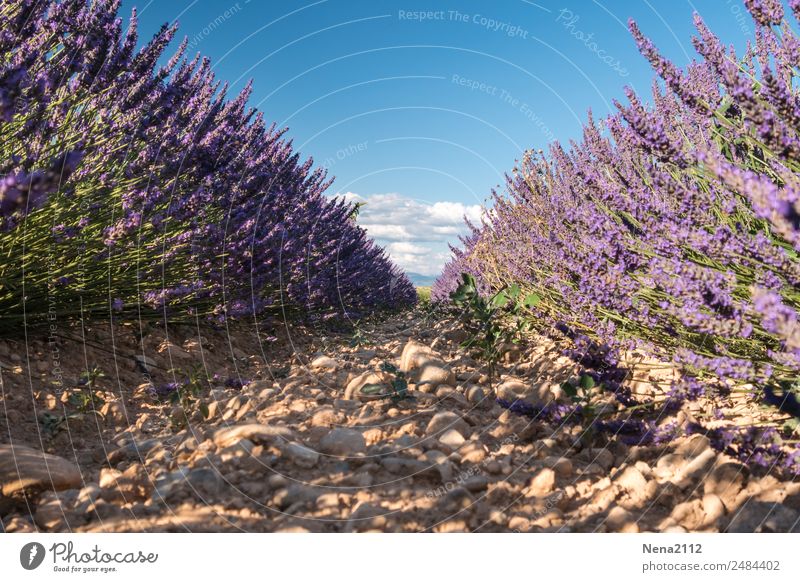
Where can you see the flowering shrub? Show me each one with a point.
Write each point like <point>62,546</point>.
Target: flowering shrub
<point>672,228</point>
<point>145,189</point>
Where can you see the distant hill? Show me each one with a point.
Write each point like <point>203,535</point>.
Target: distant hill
<point>420,280</point>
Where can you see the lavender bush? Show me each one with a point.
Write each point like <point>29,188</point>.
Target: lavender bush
<point>672,228</point>
<point>129,187</point>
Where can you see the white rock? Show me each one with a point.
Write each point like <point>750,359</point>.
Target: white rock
<point>621,520</point>
<point>415,355</point>
<point>452,438</point>
<point>301,455</point>
<point>368,379</point>
<point>433,374</point>
<point>632,481</point>
<point>713,508</point>
<point>324,363</point>
<point>444,421</point>
<point>343,442</point>
<point>26,469</point>
<point>542,483</point>
<point>475,394</point>
<point>511,389</point>
<point>259,433</point>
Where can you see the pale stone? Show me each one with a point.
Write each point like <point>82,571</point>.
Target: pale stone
<point>343,442</point>
<point>26,469</point>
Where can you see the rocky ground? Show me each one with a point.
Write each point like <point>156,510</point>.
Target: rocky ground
<point>311,442</point>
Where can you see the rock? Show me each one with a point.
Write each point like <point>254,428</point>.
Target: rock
<point>17,524</point>
<point>114,414</point>
<point>473,452</point>
<point>542,483</point>
<point>452,439</point>
<point>425,368</point>
<point>258,433</point>
<point>364,515</point>
<point>432,375</point>
<point>415,355</point>
<point>295,494</point>
<point>644,468</point>
<point>207,483</point>
<point>204,483</point>
<point>475,394</point>
<point>108,477</point>
<point>476,483</point>
<point>378,385</point>
<point>326,416</point>
<point>301,455</point>
<point>688,514</point>
<point>134,450</point>
<point>444,421</point>
<point>511,389</point>
<point>365,355</point>
<point>602,457</point>
<point>343,442</point>
<point>324,363</point>
<point>511,353</point>
<point>145,364</point>
<point>726,481</point>
<point>693,446</point>
<point>713,509</point>
<point>438,462</point>
<point>403,466</point>
<point>620,520</point>
<point>23,469</point>
<point>696,469</point>
<point>445,391</point>
<point>132,484</point>
<point>50,513</point>
<point>561,465</point>
<point>457,335</point>
<point>173,351</point>
<point>759,516</point>
<point>632,481</point>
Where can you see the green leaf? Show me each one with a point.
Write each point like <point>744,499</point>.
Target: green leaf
<point>500,300</point>
<point>389,367</point>
<point>587,382</point>
<point>531,300</point>
<point>203,409</point>
<point>513,291</point>
<point>569,389</point>
<point>372,389</point>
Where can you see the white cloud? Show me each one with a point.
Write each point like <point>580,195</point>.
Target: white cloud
<point>407,248</point>
<point>415,233</point>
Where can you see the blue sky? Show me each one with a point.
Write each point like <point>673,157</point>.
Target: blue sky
<point>419,108</point>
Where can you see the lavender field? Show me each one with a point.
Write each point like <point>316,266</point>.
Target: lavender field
<point>200,332</point>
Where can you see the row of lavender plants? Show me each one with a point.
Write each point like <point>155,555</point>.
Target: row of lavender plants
<point>672,228</point>
<point>130,186</point>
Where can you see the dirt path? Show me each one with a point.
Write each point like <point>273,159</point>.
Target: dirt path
<point>309,443</point>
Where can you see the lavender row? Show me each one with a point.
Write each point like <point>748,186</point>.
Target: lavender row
<point>672,228</point>
<point>133,187</point>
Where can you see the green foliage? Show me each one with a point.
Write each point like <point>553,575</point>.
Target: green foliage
<point>359,338</point>
<point>423,295</point>
<point>399,385</point>
<point>87,397</point>
<point>483,318</point>
<point>187,395</point>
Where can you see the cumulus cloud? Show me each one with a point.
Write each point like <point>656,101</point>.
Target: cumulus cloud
<point>415,233</point>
